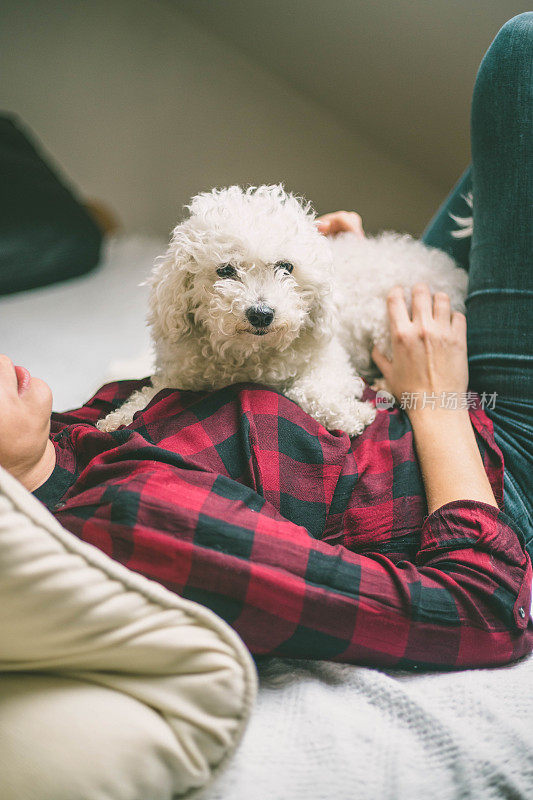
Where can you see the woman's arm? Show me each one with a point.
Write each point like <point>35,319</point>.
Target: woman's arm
<point>449,458</point>
<point>430,357</point>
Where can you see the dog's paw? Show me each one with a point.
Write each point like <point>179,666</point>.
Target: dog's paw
<point>352,418</point>
<point>110,423</point>
<point>361,417</point>
<point>124,415</point>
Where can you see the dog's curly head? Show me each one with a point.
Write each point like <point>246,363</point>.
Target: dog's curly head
<point>248,269</point>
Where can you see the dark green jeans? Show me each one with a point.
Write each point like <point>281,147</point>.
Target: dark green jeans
<point>499,256</point>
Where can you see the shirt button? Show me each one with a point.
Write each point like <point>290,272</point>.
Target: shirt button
<point>59,506</point>
<point>522,612</point>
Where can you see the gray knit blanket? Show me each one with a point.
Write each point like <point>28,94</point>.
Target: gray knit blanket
<point>324,731</point>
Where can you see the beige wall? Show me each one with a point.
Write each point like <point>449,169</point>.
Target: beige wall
<point>399,72</point>
<point>143,108</point>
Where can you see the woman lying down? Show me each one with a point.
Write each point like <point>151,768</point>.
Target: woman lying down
<point>388,549</point>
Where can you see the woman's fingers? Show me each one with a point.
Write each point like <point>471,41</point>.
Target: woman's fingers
<point>340,222</point>
<point>441,308</point>
<point>397,310</point>
<point>421,308</point>
<point>381,361</point>
<point>425,310</point>
<point>459,324</point>
<point>323,226</point>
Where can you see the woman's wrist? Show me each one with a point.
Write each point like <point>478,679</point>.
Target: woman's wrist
<point>449,457</point>
<point>428,416</point>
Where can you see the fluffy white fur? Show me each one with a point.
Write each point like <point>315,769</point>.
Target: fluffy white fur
<point>328,312</point>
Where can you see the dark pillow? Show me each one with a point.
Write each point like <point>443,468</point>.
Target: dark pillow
<point>45,233</point>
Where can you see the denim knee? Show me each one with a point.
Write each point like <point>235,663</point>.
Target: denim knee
<point>521,25</point>
<point>509,49</point>
<point>503,84</point>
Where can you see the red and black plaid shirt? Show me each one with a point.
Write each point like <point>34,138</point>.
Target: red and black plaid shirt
<point>308,543</point>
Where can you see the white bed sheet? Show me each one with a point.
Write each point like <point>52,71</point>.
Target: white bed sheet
<point>70,333</point>
<point>320,731</point>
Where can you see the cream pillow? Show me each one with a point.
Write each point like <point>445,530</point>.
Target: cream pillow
<point>111,687</point>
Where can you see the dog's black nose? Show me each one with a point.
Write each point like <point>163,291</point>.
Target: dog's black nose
<point>260,316</point>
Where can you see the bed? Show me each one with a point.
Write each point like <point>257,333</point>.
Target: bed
<point>319,730</point>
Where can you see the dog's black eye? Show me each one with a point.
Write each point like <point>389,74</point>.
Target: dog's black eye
<point>226,271</point>
<point>286,266</point>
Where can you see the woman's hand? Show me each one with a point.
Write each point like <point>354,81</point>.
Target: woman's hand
<point>428,347</point>
<point>340,222</point>
<point>429,355</point>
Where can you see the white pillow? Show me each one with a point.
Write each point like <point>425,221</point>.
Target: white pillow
<point>111,687</point>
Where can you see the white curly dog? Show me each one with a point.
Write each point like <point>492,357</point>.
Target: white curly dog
<point>249,290</point>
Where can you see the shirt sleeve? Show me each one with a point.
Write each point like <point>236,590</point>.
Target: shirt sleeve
<point>473,557</point>
<point>462,602</point>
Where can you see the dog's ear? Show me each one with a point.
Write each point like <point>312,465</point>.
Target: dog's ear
<point>171,297</point>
